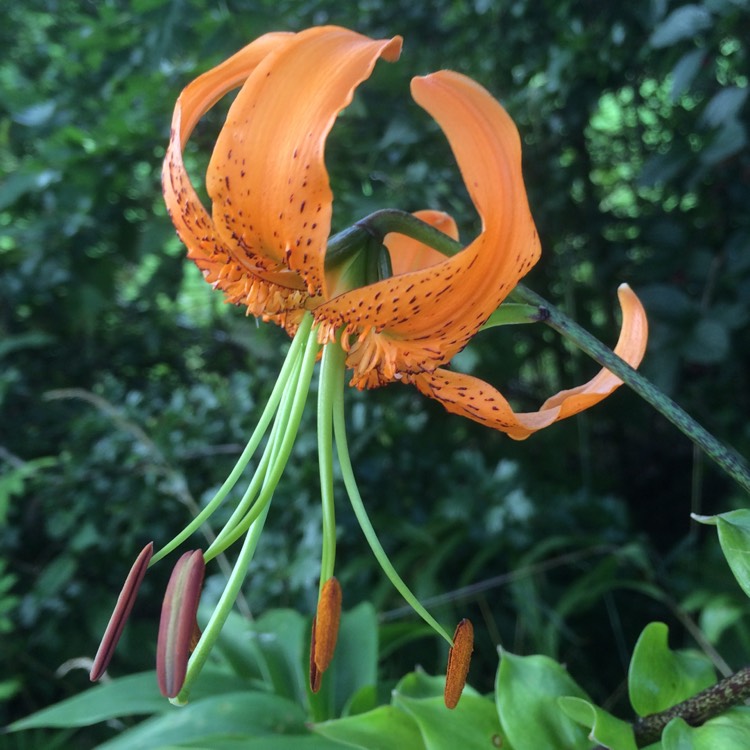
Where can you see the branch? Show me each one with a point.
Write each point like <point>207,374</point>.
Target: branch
<point>711,702</point>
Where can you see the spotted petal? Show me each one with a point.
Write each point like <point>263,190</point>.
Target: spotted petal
<point>267,295</point>
<point>475,399</point>
<point>267,178</point>
<point>418,320</point>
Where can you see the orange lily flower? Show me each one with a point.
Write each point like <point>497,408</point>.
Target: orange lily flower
<point>264,244</point>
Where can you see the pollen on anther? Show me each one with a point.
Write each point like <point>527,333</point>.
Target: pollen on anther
<point>459,659</point>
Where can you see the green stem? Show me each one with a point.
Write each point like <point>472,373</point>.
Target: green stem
<point>223,608</point>
<point>383,222</point>
<point>290,362</point>
<point>326,388</point>
<point>247,509</point>
<point>730,461</point>
<point>350,482</point>
<point>281,442</point>
<point>288,427</point>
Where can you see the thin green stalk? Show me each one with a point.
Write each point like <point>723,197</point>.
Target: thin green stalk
<point>288,433</point>
<point>223,608</point>
<point>332,362</point>
<point>290,361</point>
<point>350,482</point>
<point>381,223</point>
<point>388,220</point>
<point>732,463</point>
<point>246,503</point>
<point>248,509</point>
<point>281,441</point>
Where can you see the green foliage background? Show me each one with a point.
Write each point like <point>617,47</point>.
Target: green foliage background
<point>126,386</point>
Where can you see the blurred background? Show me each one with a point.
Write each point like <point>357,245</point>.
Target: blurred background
<point>127,387</point>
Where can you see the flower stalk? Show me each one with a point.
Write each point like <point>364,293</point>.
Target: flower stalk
<point>536,307</point>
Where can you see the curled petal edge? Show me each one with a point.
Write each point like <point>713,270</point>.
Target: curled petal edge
<point>272,296</point>
<point>473,398</point>
<point>267,179</point>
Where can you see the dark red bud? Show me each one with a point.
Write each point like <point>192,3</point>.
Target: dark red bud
<point>178,628</point>
<point>122,611</point>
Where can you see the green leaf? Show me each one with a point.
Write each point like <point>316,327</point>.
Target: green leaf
<point>279,636</point>
<point>22,182</point>
<point>127,696</point>
<point>607,730</point>
<point>365,699</point>
<point>729,139</point>
<point>718,615</point>
<point>709,342</point>
<point>512,313</point>
<point>133,695</point>
<point>421,685</point>
<point>13,481</point>
<point>383,728</point>
<point>245,714</point>
<point>527,689</point>
<point>730,731</point>
<point>734,537</point>
<point>724,105</point>
<point>659,678</point>
<point>472,724</point>
<point>290,742</point>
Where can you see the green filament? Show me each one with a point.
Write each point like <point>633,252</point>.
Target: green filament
<point>339,429</point>
<point>331,363</point>
<point>223,608</point>
<point>288,426</point>
<point>287,368</point>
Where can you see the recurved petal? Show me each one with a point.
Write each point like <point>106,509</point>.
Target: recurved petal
<point>418,320</point>
<point>267,177</point>
<point>264,294</point>
<point>475,399</point>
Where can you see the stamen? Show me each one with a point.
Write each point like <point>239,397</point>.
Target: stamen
<point>276,454</point>
<point>290,366</point>
<point>178,628</point>
<point>281,441</point>
<point>459,658</point>
<point>326,390</point>
<point>123,608</point>
<point>326,624</point>
<point>358,506</point>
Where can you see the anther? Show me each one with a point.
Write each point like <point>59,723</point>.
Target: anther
<point>459,659</point>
